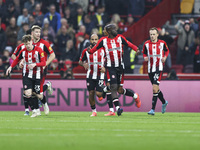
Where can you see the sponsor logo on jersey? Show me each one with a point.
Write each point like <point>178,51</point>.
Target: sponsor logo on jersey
<point>42,54</point>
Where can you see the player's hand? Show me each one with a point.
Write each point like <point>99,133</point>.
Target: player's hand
<point>86,66</point>
<point>102,69</point>
<point>31,66</point>
<point>44,67</point>
<point>8,70</point>
<point>146,58</point>
<point>164,59</point>
<point>137,52</point>
<point>21,64</point>
<point>89,48</point>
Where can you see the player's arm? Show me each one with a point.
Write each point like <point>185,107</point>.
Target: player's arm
<point>144,51</point>
<point>42,62</point>
<point>14,63</point>
<point>82,59</point>
<point>129,44</point>
<point>51,58</point>
<point>13,56</point>
<point>166,50</point>
<point>49,50</point>
<point>96,47</point>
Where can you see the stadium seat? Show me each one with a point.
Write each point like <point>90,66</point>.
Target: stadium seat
<point>79,69</point>
<point>187,6</point>
<point>177,68</point>
<point>188,69</point>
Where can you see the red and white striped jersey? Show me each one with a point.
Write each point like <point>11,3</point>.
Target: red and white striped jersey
<point>34,56</point>
<point>18,49</point>
<point>155,52</point>
<point>113,49</point>
<point>45,47</point>
<point>95,61</point>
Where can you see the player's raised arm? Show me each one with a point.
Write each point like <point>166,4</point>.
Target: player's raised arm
<point>96,47</point>
<point>129,44</point>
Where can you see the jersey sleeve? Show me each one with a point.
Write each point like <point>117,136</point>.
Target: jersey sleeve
<point>17,50</point>
<point>83,56</point>
<point>47,48</point>
<point>144,51</point>
<point>129,44</point>
<point>97,46</point>
<point>18,58</point>
<point>42,59</point>
<point>166,49</point>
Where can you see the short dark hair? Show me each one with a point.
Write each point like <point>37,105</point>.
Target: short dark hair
<point>35,27</point>
<point>153,28</point>
<point>26,38</point>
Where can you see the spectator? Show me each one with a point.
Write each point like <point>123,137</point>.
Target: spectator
<point>73,8</point>
<point>79,18</point>
<point>69,51</point>
<point>3,11</point>
<point>48,27</point>
<point>69,74</point>
<point>185,40</point>
<point>48,37</point>
<point>172,75</point>
<point>194,26</point>
<point>23,18</point>
<point>6,58</point>
<point>129,23</point>
<point>196,48</point>
<point>100,19</point>
<point>163,35</point>
<point>31,21</point>
<point>54,18</point>
<point>3,40</point>
<point>88,23</point>
<point>62,6</point>
<point>11,33</point>
<point>117,20</point>
<point>12,12</point>
<point>2,67</point>
<point>91,10</point>
<point>54,65</point>
<point>37,13</point>
<point>22,31</point>
<point>83,4</point>
<point>30,5</point>
<point>67,15</point>
<point>62,39</point>
<point>136,8</point>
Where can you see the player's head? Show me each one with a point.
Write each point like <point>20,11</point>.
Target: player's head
<point>153,33</point>
<point>94,39</point>
<point>27,40</point>
<point>36,32</point>
<point>111,30</point>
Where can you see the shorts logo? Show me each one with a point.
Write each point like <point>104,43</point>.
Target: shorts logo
<point>25,86</point>
<point>160,47</point>
<point>37,88</point>
<point>113,76</point>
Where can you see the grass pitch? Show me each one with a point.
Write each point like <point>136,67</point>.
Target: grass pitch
<point>76,130</point>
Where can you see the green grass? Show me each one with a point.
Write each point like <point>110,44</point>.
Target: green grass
<point>76,130</point>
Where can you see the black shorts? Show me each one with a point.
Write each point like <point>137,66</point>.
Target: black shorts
<point>115,75</point>
<point>155,77</point>
<point>93,84</point>
<point>31,83</point>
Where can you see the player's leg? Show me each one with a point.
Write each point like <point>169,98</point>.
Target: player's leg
<point>112,75</point>
<point>27,101</point>
<point>43,100</point>
<point>128,92</point>
<point>91,89</point>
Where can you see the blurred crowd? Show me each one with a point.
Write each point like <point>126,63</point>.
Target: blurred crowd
<point>66,25</point>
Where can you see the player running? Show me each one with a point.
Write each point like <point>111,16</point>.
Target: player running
<point>34,61</point>
<point>47,86</point>
<point>114,64</point>
<point>95,73</point>
<point>155,52</point>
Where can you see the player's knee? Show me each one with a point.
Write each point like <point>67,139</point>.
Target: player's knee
<point>120,90</point>
<point>113,87</point>
<point>28,94</point>
<point>98,94</point>
<point>155,90</point>
<point>40,96</point>
<point>91,93</point>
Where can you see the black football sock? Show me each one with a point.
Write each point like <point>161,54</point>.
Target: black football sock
<point>154,100</point>
<point>128,92</point>
<point>160,96</point>
<point>43,100</point>
<point>26,102</point>
<point>35,102</point>
<point>45,87</point>
<point>109,100</point>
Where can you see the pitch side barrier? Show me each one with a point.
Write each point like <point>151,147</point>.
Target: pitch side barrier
<point>72,95</point>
